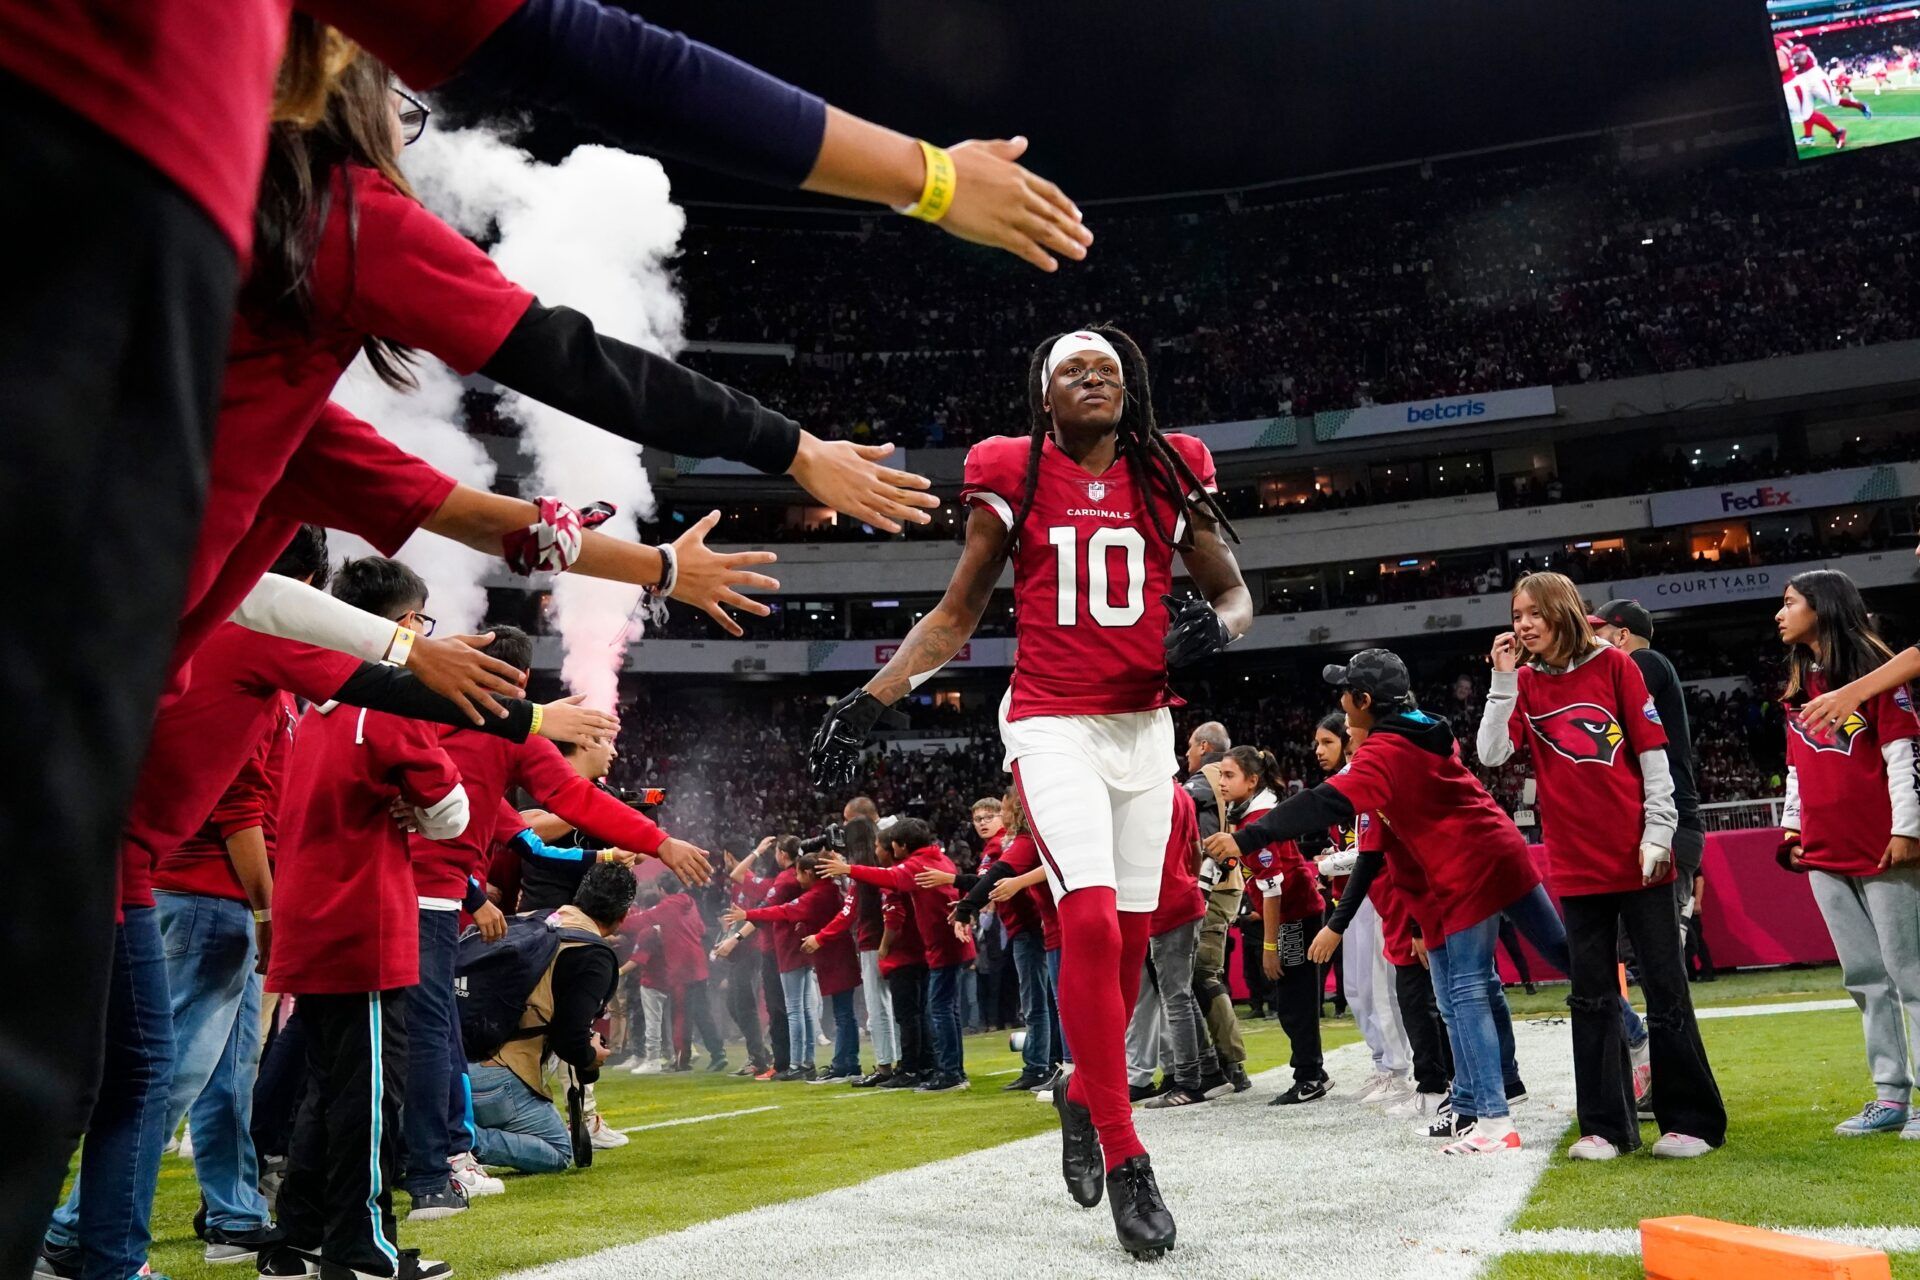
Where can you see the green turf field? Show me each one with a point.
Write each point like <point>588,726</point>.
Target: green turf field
<point>1788,1078</point>
<point>1896,118</point>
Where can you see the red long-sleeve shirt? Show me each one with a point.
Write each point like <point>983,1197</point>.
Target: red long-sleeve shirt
<point>790,921</point>
<point>929,905</point>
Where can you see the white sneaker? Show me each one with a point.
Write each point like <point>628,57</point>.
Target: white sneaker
<point>185,1149</point>
<point>1377,1083</point>
<point>1418,1106</point>
<point>1680,1146</point>
<point>1642,1056</point>
<point>645,1069</point>
<point>604,1137</point>
<point>1592,1147</point>
<point>627,1063</point>
<point>1476,1143</point>
<point>1393,1095</point>
<point>477,1181</point>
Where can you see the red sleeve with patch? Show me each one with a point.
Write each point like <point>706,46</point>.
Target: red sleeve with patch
<point>544,772</point>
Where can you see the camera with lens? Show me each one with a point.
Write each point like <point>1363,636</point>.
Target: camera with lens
<point>641,798</point>
<point>834,838</point>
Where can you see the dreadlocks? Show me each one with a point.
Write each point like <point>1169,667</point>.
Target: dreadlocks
<point>1154,464</point>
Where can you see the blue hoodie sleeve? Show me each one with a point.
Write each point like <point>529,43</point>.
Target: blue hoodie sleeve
<point>532,846</point>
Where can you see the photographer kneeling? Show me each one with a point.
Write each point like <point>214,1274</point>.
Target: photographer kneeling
<point>515,1123</point>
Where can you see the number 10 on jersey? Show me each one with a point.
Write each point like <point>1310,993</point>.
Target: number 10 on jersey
<point>1065,540</point>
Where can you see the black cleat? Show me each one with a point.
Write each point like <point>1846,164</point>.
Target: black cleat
<point>1140,1216</point>
<point>1237,1072</point>
<point>1024,1081</point>
<point>1080,1160</point>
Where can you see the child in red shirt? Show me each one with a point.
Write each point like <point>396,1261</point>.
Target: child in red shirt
<point>1581,708</point>
<point>1852,819</point>
<point>787,923</point>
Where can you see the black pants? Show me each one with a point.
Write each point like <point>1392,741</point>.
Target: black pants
<point>743,1003</point>
<point>1296,997</point>
<point>1426,1033</point>
<point>279,1087</point>
<point>1685,1097</point>
<point>776,1012</point>
<point>1510,943</point>
<point>697,1020</point>
<point>345,1158</point>
<point>1253,937</point>
<point>908,986</point>
<point>113,341</point>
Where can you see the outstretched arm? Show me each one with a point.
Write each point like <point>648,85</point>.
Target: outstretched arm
<point>1214,570</point>
<point>1831,709</point>
<point>936,638</point>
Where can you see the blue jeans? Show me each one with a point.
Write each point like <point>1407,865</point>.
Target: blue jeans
<point>1030,962</point>
<point>971,1017</point>
<point>800,1028</point>
<point>846,1034</point>
<point>514,1127</point>
<point>943,1016</point>
<point>1468,990</point>
<point>1053,1005</point>
<point>436,1100</point>
<point>120,1161</point>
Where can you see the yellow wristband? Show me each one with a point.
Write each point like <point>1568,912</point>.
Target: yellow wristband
<point>936,193</point>
<point>1270,946</point>
<point>400,647</point>
<point>539,714</point>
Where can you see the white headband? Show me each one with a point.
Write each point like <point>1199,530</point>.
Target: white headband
<point>1070,343</point>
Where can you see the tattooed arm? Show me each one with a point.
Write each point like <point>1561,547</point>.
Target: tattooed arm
<point>1217,574</point>
<point>938,636</point>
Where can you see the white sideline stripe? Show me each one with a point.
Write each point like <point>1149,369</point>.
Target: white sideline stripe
<point>718,1115</point>
<point>1625,1241</point>
<point>1762,1010</point>
<point>1414,1214</point>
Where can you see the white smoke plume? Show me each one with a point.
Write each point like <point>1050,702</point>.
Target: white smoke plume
<point>593,232</point>
<point>426,422</point>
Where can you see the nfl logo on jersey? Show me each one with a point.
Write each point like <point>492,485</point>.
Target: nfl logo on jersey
<point>1096,490</point>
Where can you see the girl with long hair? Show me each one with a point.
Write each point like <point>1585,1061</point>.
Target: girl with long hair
<point>1853,827</point>
<point>1581,709</point>
<point>862,915</point>
<point>1090,507</point>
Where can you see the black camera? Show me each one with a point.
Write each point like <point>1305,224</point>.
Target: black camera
<point>834,838</point>
<point>641,798</point>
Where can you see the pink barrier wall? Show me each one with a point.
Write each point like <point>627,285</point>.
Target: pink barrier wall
<point>1756,913</point>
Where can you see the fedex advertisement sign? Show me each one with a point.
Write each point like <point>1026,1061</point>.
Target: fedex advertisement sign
<point>1755,499</point>
<point>1425,415</point>
<point>1787,493</point>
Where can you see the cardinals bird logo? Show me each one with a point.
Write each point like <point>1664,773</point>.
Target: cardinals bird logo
<point>1840,739</point>
<point>1583,733</point>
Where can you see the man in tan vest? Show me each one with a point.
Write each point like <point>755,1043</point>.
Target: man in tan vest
<point>515,1123</point>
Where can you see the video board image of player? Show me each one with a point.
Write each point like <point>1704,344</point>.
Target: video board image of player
<point>1849,72</point>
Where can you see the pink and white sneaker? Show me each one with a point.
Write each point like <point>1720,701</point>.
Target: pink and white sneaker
<point>1478,1144</point>
<point>1592,1147</point>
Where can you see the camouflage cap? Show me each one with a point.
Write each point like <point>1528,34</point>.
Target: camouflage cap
<point>1377,672</point>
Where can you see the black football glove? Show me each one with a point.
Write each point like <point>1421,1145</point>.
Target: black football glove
<point>835,753</point>
<point>1194,631</point>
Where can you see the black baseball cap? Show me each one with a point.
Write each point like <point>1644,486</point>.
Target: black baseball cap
<point>1378,673</point>
<point>1628,614</point>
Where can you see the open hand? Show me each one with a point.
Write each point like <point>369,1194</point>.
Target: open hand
<point>1220,846</point>
<point>733,915</point>
<point>832,864</point>
<point>569,720</point>
<point>849,478</point>
<point>932,878</point>
<point>454,668</point>
<point>711,580</point>
<point>999,202</point>
<point>691,863</point>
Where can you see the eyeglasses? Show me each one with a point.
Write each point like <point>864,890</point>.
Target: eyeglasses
<point>427,621</point>
<point>413,117</point>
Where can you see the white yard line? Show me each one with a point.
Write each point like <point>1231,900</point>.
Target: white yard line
<point>718,1115</point>
<point>1348,1193</point>
<point>1762,1010</point>
<point>1625,1241</point>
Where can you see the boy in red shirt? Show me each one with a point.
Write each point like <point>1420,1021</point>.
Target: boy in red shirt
<point>788,922</point>
<point>348,946</point>
<point>910,848</point>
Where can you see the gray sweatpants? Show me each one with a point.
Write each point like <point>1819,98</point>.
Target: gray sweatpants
<point>1148,1044</point>
<point>1875,924</point>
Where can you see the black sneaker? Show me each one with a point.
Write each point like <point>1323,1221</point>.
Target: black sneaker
<point>284,1260</point>
<point>239,1246</point>
<point>58,1260</point>
<point>1025,1080</point>
<point>1237,1072</point>
<point>1303,1091</point>
<point>1516,1091</point>
<point>1449,1124</point>
<point>793,1073</point>
<point>1142,1092</point>
<point>412,1267</point>
<point>1081,1163</point>
<point>1140,1216</point>
<point>1056,1079</point>
<point>717,1063</point>
<point>444,1203</point>
<point>900,1080</point>
<point>874,1081</point>
<point>1220,1084</point>
<point>1178,1096</point>
<point>944,1082</point>
<point>751,1069</point>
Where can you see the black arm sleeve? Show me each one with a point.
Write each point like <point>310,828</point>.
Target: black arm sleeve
<point>555,355</point>
<point>647,88</point>
<point>1321,807</point>
<point>1365,868</point>
<point>384,688</point>
<point>583,979</point>
<point>976,898</point>
<point>964,882</point>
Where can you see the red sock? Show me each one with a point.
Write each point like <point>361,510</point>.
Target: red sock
<point>1819,118</point>
<point>1854,103</point>
<point>1093,1015</point>
<point>1135,934</point>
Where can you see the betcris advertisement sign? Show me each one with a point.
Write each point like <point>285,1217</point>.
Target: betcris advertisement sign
<point>1765,497</point>
<point>1425,415</point>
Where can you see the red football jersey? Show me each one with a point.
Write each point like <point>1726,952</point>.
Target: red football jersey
<point>343,866</point>
<point>200,865</point>
<point>1279,870</point>
<point>1088,573</point>
<point>1586,729</point>
<point>1181,901</point>
<point>1846,816</point>
<point>1473,857</point>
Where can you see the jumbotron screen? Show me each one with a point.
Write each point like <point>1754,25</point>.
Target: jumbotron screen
<point>1849,72</point>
